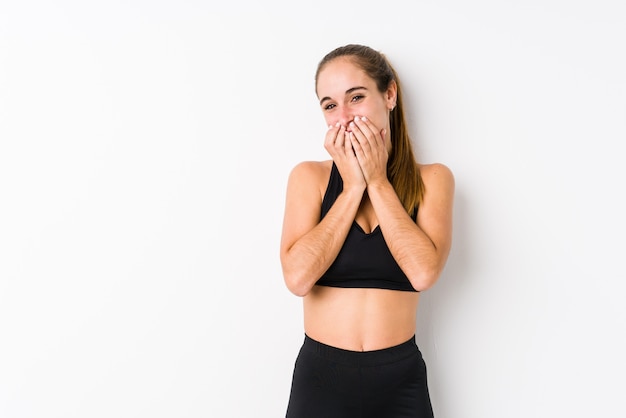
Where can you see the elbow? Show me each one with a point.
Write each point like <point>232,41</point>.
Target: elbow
<point>296,284</point>
<point>298,290</point>
<point>298,278</point>
<point>424,278</point>
<point>423,273</point>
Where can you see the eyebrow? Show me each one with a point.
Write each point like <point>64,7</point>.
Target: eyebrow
<point>350,90</point>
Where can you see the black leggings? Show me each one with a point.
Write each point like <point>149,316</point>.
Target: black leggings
<point>330,382</point>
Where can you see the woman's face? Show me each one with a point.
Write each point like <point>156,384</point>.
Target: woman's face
<point>345,92</point>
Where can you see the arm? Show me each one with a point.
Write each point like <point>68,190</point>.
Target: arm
<point>420,249</point>
<point>309,246</point>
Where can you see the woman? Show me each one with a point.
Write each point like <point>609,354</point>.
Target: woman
<point>363,234</point>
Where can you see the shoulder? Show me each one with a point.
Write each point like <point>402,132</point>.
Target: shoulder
<point>437,175</point>
<point>307,184</point>
<point>311,171</point>
<point>436,172</point>
<point>309,176</point>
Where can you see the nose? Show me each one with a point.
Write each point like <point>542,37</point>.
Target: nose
<point>345,116</point>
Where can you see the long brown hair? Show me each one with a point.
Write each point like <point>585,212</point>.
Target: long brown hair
<point>402,169</point>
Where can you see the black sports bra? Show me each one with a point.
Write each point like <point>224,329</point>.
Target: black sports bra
<point>364,261</point>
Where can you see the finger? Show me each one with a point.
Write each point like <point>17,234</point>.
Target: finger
<point>359,134</point>
<point>348,148</point>
<point>333,134</point>
<point>368,129</point>
<point>356,147</point>
<point>340,138</point>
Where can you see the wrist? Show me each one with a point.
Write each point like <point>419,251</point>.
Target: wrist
<point>378,185</point>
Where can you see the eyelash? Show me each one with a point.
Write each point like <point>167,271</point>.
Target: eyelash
<point>355,98</point>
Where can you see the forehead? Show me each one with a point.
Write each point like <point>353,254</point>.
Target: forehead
<point>340,75</point>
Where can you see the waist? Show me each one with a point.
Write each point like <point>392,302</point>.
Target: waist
<point>361,358</point>
<point>360,319</point>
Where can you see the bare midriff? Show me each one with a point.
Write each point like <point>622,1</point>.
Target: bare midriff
<point>360,319</point>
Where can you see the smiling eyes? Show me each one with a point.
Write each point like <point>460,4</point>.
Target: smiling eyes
<point>356,98</point>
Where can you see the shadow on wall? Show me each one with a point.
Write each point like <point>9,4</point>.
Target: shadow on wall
<point>442,303</point>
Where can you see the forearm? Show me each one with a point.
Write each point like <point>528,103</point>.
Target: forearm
<point>313,253</point>
<point>411,247</point>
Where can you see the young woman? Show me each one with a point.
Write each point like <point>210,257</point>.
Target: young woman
<point>363,234</point>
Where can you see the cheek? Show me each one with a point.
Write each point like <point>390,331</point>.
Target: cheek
<point>380,117</point>
<point>382,122</point>
<point>331,120</point>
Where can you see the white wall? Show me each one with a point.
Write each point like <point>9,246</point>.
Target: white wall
<point>144,152</point>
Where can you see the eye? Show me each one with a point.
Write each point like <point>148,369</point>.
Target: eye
<point>329,106</point>
<point>357,98</point>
